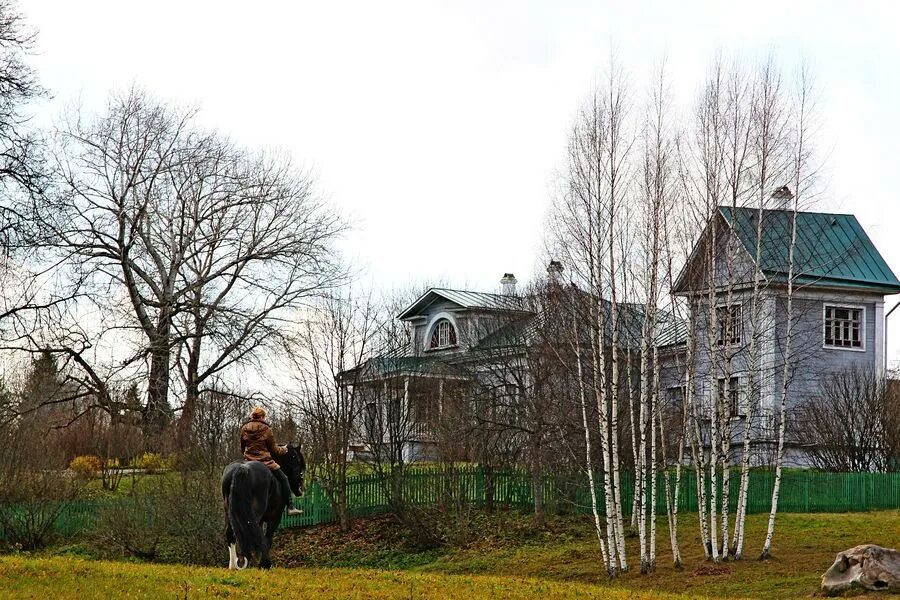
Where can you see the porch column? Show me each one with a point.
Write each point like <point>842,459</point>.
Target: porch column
<point>406,406</point>
<point>406,451</point>
<point>384,412</point>
<point>769,371</point>
<point>880,353</point>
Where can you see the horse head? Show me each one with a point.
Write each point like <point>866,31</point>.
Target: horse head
<point>294,466</point>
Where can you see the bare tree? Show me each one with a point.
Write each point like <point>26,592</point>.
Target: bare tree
<point>657,196</point>
<point>113,225</point>
<point>22,173</point>
<point>768,148</point>
<point>803,176</point>
<point>588,226</point>
<point>259,247</point>
<point>853,423</point>
<point>328,356</point>
<point>195,250</point>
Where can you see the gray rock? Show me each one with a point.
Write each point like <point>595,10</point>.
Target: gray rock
<point>865,567</point>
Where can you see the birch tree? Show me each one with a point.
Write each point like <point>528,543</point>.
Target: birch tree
<point>655,193</point>
<point>587,229</point>
<point>803,176</point>
<point>768,150</point>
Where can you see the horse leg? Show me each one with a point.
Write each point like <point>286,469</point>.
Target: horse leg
<point>265,560</point>
<point>230,541</point>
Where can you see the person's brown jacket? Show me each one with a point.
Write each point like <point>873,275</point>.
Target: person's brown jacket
<point>258,443</point>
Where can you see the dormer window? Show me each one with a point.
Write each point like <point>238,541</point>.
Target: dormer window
<point>443,335</point>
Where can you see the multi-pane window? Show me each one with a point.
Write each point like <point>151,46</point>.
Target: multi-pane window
<point>675,397</point>
<point>733,399</point>
<point>728,323</point>
<point>443,335</point>
<point>843,327</point>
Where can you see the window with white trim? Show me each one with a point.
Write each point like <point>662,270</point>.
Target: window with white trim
<point>729,326</point>
<point>843,327</point>
<point>443,335</point>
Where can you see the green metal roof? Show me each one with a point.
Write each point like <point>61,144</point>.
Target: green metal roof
<point>466,299</point>
<point>831,249</point>
<point>386,366</point>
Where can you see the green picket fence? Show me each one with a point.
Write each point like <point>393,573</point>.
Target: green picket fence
<point>801,491</point>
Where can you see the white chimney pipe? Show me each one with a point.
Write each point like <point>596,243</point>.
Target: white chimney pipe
<point>554,271</point>
<point>508,284</point>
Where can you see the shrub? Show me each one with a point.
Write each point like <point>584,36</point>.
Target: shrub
<point>151,462</point>
<point>87,465</point>
<point>177,519</point>
<point>30,506</point>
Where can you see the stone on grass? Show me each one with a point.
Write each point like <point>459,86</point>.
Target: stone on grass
<point>864,567</point>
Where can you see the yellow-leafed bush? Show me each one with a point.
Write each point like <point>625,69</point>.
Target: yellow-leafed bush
<point>86,465</point>
<point>151,462</point>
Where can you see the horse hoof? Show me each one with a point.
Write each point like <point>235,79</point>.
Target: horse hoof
<point>246,563</point>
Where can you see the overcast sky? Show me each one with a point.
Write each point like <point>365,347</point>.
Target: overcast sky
<point>438,127</point>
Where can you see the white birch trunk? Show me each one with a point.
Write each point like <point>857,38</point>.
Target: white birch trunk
<point>588,457</point>
<point>799,165</point>
<point>654,398</point>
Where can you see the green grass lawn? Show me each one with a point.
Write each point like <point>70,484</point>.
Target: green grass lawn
<point>805,545</point>
<point>92,489</point>
<point>61,577</point>
<point>503,557</point>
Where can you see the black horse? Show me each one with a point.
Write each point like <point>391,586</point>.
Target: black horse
<point>254,505</point>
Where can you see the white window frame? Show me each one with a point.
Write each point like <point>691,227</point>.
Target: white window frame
<point>436,322</point>
<point>862,328</point>
<point>728,343</point>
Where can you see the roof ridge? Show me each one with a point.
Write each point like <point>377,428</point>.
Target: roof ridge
<point>790,210</point>
<point>447,289</point>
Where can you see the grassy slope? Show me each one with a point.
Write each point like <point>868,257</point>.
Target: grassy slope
<point>804,547</point>
<point>73,578</point>
<point>507,559</point>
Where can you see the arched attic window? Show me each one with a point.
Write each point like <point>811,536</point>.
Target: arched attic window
<point>443,335</point>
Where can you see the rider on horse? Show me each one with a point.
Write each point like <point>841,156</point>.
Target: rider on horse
<point>258,443</point>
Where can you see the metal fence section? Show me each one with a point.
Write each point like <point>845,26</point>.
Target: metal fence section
<point>802,491</point>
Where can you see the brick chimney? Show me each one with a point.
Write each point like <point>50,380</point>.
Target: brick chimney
<point>508,284</point>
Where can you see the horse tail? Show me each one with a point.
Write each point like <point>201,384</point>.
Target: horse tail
<point>244,523</point>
